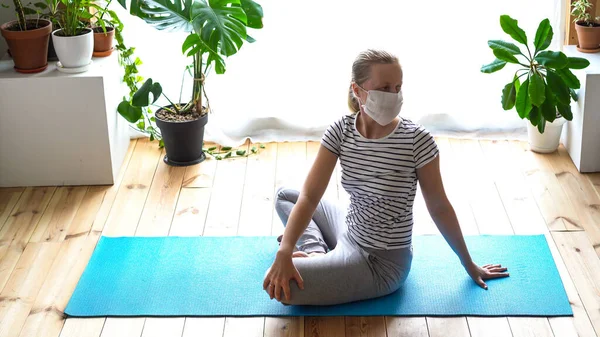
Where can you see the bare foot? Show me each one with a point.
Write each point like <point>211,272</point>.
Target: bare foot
<point>299,254</point>
<point>303,254</point>
<point>315,254</point>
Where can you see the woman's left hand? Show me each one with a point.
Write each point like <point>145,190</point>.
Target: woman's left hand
<point>489,271</point>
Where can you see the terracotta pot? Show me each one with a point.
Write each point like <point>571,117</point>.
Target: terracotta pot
<point>103,42</point>
<point>588,36</point>
<point>29,49</point>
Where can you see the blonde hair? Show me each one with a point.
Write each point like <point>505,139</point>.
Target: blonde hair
<point>361,71</point>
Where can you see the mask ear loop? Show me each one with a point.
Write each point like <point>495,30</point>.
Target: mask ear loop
<point>360,104</point>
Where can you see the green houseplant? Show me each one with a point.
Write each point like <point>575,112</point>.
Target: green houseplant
<point>106,24</point>
<point>216,29</point>
<point>48,10</point>
<point>544,96</point>
<point>27,40</point>
<point>74,41</point>
<point>588,28</point>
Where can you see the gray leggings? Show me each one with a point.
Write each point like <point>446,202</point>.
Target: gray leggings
<point>348,272</point>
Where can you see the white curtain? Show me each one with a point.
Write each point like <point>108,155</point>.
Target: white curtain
<point>293,82</point>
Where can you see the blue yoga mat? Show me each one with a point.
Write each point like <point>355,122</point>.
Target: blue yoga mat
<point>222,276</point>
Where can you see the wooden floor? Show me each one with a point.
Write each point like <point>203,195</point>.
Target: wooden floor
<point>47,235</point>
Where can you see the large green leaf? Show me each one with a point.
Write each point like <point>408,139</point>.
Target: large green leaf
<point>190,42</point>
<point>221,24</point>
<point>534,115</point>
<point>166,14</point>
<point>510,26</point>
<point>135,9</point>
<point>194,44</point>
<point>558,87</point>
<point>549,107</point>
<point>504,55</point>
<point>509,47</point>
<point>537,89</point>
<point>141,98</point>
<point>493,67</point>
<point>543,36</point>
<point>577,63</point>
<point>254,13</point>
<point>565,111</point>
<point>509,96</point>
<point>517,83</point>
<point>541,124</point>
<point>570,79</point>
<point>156,91</point>
<point>131,113</point>
<point>523,102</point>
<point>218,62</point>
<point>552,59</point>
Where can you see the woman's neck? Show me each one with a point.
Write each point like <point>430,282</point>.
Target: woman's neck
<point>370,129</point>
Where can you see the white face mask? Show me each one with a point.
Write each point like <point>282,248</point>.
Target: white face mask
<point>382,106</point>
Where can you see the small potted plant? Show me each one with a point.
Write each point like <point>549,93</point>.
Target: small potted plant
<point>544,96</point>
<point>104,28</point>
<point>27,41</point>
<point>588,28</point>
<point>48,10</point>
<point>74,42</point>
<point>216,29</point>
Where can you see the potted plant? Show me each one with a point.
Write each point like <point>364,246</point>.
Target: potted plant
<point>216,29</point>
<point>48,10</point>
<point>104,28</point>
<point>74,42</point>
<point>544,96</point>
<point>588,29</point>
<point>27,41</point>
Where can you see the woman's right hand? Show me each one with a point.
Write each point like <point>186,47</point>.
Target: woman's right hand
<point>279,276</point>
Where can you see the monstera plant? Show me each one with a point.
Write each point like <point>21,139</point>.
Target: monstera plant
<point>544,95</point>
<point>216,30</point>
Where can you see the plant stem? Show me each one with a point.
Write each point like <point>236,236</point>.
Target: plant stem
<point>518,77</point>
<point>173,104</point>
<point>198,82</point>
<point>105,9</point>
<point>20,14</point>
<point>529,52</point>
<point>181,88</point>
<point>206,96</point>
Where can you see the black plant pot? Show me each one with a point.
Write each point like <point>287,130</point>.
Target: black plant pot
<point>183,141</point>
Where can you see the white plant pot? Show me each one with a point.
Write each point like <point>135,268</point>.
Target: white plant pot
<point>74,51</point>
<point>548,141</point>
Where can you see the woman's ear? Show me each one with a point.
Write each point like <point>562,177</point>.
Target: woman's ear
<point>356,89</point>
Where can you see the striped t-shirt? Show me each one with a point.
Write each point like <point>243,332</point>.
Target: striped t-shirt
<point>381,178</point>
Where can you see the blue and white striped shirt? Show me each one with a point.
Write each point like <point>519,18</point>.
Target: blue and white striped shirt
<point>381,178</point>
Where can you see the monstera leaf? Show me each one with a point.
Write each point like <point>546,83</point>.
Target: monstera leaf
<point>221,24</point>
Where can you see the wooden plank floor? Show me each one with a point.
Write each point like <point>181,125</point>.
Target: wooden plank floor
<point>47,235</point>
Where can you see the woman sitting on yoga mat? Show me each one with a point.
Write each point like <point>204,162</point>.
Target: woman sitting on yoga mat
<point>365,251</point>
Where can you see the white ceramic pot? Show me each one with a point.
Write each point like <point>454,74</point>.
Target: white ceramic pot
<point>548,141</point>
<point>74,51</point>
